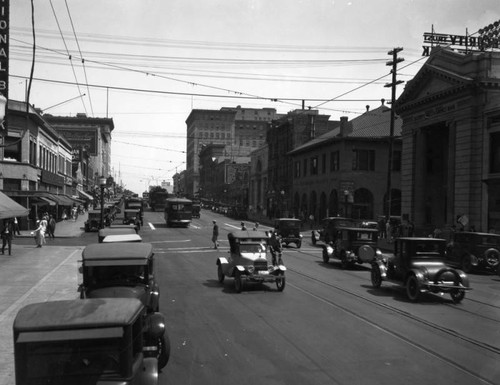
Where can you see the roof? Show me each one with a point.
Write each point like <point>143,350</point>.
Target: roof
<point>114,238</point>
<point>77,313</point>
<point>248,234</point>
<point>124,250</point>
<point>373,124</point>
<point>116,231</point>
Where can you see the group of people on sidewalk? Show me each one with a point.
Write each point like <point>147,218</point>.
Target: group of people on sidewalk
<point>47,225</point>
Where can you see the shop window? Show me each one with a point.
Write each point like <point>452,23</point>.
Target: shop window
<point>12,149</point>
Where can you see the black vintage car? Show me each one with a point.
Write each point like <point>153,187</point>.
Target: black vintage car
<point>329,227</point>
<point>124,269</point>
<point>474,251</point>
<point>91,341</point>
<point>419,265</point>
<point>288,231</point>
<point>352,245</point>
<point>93,222</point>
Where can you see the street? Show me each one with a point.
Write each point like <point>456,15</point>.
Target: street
<point>329,326</point>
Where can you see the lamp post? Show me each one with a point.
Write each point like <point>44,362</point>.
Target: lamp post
<point>102,184</point>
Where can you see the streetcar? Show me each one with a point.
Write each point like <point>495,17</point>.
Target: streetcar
<point>178,212</point>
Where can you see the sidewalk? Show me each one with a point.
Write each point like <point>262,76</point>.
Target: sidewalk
<point>33,275</point>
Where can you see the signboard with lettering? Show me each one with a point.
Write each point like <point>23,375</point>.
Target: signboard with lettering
<point>4,50</point>
<point>81,139</point>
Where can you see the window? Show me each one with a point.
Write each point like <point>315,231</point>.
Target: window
<point>396,161</point>
<point>495,152</point>
<point>323,163</point>
<point>334,161</point>
<point>305,167</point>
<point>314,166</point>
<point>297,170</point>
<point>363,160</point>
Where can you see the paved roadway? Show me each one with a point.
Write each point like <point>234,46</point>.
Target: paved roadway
<point>328,326</point>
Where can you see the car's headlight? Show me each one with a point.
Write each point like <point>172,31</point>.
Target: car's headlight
<point>300,235</point>
<point>329,250</point>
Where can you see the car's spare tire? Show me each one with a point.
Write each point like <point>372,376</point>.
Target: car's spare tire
<point>366,253</point>
<point>492,257</point>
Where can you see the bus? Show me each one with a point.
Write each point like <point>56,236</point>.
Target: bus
<point>178,212</point>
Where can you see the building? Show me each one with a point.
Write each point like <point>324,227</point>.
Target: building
<point>35,164</point>
<point>90,139</point>
<point>258,182</point>
<point>284,135</point>
<point>451,142</point>
<point>240,130</point>
<point>344,172</point>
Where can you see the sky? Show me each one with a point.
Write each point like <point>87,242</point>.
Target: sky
<point>147,63</point>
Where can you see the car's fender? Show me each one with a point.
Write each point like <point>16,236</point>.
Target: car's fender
<point>379,264</point>
<point>149,371</point>
<point>418,273</point>
<point>222,261</point>
<point>463,277</point>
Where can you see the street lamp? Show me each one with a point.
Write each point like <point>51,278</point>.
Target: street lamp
<point>102,184</point>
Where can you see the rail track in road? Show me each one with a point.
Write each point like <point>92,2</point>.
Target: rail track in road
<point>404,314</point>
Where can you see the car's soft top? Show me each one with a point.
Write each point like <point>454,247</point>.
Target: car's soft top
<point>118,250</point>
<point>247,235</point>
<point>116,231</point>
<point>77,314</point>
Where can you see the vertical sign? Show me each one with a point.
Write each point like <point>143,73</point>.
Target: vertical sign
<point>4,50</point>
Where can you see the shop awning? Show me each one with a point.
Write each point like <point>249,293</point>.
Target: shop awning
<point>47,200</point>
<point>86,196</point>
<point>9,208</point>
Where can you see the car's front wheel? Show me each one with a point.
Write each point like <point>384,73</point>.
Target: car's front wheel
<point>238,282</point>
<point>457,295</point>
<point>326,257</point>
<point>376,277</point>
<point>220,274</point>
<point>412,288</point>
<point>280,282</point>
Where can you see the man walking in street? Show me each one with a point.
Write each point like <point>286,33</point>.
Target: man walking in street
<point>51,226</point>
<point>7,234</point>
<point>215,235</point>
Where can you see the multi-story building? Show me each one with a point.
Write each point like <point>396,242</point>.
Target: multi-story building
<point>35,164</point>
<point>451,142</point>
<point>345,171</point>
<point>90,139</point>
<point>240,130</point>
<point>284,135</point>
<point>258,182</point>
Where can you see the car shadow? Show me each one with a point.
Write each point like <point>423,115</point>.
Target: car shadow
<point>398,293</point>
<point>250,287</point>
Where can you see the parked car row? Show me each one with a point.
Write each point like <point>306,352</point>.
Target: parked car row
<point>114,333</point>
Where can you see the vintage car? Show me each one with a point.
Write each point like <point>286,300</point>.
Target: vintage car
<point>196,209</point>
<point>93,222</point>
<point>92,341</point>
<point>123,269</point>
<point>473,251</point>
<point>352,245</point>
<point>103,233</point>
<point>288,231</point>
<point>329,227</point>
<point>419,265</point>
<point>136,203</point>
<point>248,261</point>
<point>132,217</point>
<point>122,226</point>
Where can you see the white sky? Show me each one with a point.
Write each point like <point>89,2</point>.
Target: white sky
<point>159,57</point>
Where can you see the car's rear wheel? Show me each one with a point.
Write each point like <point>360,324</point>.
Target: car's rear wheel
<point>326,257</point>
<point>467,263</point>
<point>376,277</point>
<point>220,274</point>
<point>412,288</point>
<point>238,282</point>
<point>280,282</point>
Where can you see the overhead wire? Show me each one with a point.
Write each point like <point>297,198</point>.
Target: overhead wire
<point>83,60</point>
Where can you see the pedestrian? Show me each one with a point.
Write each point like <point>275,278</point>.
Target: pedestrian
<point>243,227</point>
<point>256,226</point>
<point>275,248</point>
<point>64,215</point>
<point>16,227</point>
<point>7,234</point>
<point>39,234</point>
<point>311,221</point>
<point>51,226</point>
<point>215,235</point>
<point>43,230</point>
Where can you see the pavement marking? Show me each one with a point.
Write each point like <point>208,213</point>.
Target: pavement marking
<point>151,226</point>
<point>11,308</point>
<point>174,241</point>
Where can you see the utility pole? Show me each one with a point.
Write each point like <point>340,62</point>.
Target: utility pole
<point>394,63</point>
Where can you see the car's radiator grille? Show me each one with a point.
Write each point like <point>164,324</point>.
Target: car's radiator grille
<point>260,265</point>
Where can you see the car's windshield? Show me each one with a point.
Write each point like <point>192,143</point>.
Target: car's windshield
<point>56,362</point>
<point>292,225</point>
<point>104,275</point>
<point>252,248</point>
<point>365,235</point>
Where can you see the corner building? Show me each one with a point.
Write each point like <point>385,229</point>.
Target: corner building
<point>451,142</point>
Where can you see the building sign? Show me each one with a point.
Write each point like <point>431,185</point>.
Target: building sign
<point>85,139</point>
<point>487,38</point>
<point>51,178</point>
<point>4,49</point>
